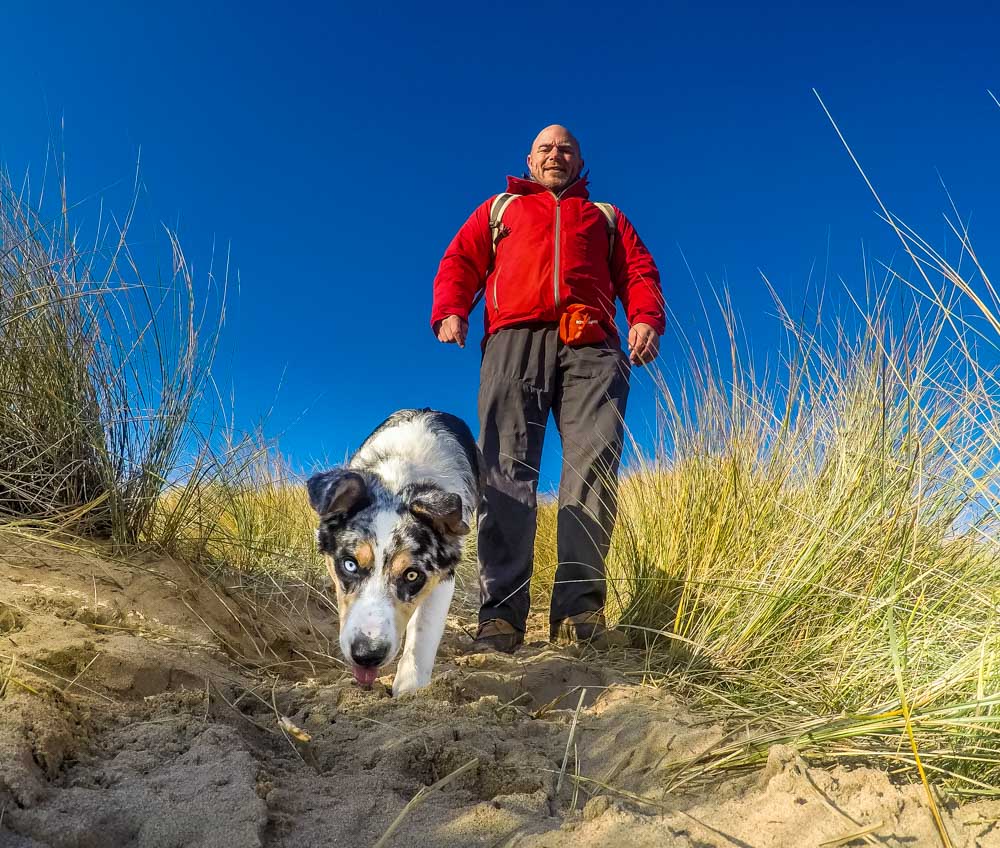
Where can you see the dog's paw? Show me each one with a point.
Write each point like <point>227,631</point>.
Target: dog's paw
<point>408,679</point>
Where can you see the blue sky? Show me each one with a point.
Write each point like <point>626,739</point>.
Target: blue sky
<point>335,149</point>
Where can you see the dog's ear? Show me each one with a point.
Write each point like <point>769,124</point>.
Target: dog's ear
<point>338,492</point>
<point>442,509</point>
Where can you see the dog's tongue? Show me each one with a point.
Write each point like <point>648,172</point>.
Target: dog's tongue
<point>365,676</point>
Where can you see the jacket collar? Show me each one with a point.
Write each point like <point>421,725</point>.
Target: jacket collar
<point>523,185</point>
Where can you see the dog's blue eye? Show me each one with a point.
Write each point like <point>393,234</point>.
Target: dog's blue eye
<point>412,576</point>
<point>350,566</point>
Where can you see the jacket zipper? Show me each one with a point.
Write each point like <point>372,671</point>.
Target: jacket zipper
<point>555,263</point>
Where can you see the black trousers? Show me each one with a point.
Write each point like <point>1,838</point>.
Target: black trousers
<point>527,372</point>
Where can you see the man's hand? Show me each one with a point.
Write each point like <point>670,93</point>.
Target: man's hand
<point>453,330</point>
<point>643,344</point>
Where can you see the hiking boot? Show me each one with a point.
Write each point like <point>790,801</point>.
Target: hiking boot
<point>587,629</point>
<point>498,635</point>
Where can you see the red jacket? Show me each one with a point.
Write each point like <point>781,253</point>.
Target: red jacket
<point>555,253</point>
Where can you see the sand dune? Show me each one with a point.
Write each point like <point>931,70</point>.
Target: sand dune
<point>144,705</point>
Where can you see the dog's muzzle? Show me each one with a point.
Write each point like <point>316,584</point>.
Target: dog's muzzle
<point>367,655</point>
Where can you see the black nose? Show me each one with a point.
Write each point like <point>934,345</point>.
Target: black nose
<point>368,653</point>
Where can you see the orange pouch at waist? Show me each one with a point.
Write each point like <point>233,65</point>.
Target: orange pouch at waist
<point>579,325</point>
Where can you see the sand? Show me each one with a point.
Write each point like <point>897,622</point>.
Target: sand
<point>146,705</point>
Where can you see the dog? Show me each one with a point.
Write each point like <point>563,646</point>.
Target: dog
<point>391,524</point>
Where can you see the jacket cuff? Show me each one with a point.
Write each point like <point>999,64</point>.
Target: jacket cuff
<point>441,314</point>
<point>657,322</point>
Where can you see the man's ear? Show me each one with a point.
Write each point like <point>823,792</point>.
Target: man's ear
<point>442,509</point>
<point>338,492</point>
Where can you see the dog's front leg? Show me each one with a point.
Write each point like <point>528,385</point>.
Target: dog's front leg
<point>423,635</point>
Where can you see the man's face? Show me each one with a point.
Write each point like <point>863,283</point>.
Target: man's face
<point>554,160</point>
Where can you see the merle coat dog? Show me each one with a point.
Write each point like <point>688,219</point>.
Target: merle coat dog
<point>391,527</point>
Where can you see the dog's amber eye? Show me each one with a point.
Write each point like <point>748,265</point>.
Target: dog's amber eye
<point>412,576</point>
<point>350,566</point>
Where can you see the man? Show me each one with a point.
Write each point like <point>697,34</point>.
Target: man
<point>553,249</point>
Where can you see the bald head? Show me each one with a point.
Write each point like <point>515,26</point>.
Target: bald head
<point>557,132</point>
<point>554,159</point>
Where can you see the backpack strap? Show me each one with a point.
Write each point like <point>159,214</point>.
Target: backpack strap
<point>611,217</point>
<point>502,201</point>
<point>497,208</point>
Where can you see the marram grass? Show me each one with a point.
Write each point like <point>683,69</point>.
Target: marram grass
<point>101,368</point>
<point>243,510</point>
<point>816,552</point>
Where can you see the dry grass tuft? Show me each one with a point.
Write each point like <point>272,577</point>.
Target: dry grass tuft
<point>100,370</point>
<point>814,548</point>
